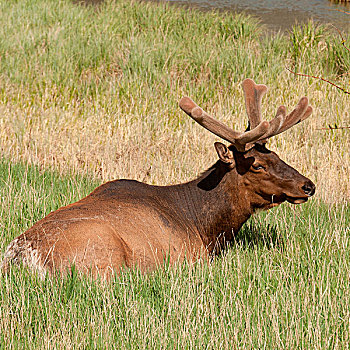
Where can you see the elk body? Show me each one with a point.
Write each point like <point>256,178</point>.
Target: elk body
<point>128,223</point>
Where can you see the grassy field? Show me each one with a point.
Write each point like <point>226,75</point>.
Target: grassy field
<point>95,89</point>
<point>88,94</point>
<point>284,283</point>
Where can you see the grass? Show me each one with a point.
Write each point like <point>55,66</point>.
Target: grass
<point>43,192</point>
<point>88,94</point>
<point>94,89</point>
<point>282,284</point>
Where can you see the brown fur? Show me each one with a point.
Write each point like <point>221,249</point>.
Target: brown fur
<point>128,223</point>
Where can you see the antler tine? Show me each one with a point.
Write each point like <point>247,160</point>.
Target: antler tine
<point>238,139</point>
<point>282,122</point>
<point>260,130</point>
<point>253,135</point>
<point>275,124</point>
<point>208,122</point>
<point>300,113</point>
<point>253,94</point>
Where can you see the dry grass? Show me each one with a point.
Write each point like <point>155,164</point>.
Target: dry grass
<point>120,118</point>
<point>94,91</point>
<point>158,148</point>
<point>114,113</point>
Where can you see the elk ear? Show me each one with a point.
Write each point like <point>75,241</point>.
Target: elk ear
<point>224,153</point>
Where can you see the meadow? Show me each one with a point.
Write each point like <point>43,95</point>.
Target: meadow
<point>90,93</point>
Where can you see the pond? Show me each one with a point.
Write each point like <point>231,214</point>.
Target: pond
<point>275,14</point>
<point>282,14</point>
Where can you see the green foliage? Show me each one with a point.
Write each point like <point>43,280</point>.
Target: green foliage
<point>283,283</point>
<point>318,49</point>
<point>60,53</point>
<point>82,51</point>
<point>339,56</point>
<point>305,40</point>
<point>28,194</point>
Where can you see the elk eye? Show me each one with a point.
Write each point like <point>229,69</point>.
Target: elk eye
<point>257,167</point>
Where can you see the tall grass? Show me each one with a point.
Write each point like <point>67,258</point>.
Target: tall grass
<point>95,89</point>
<point>82,52</point>
<point>282,284</point>
<point>318,51</point>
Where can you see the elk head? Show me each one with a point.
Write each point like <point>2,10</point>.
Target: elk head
<point>267,180</point>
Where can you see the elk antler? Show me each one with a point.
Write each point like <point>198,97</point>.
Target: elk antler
<point>238,139</point>
<point>253,94</point>
<point>260,130</point>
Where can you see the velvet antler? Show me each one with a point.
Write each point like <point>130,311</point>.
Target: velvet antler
<point>238,139</point>
<point>260,130</point>
<point>253,95</point>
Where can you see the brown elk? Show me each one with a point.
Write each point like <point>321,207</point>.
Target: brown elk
<point>128,223</point>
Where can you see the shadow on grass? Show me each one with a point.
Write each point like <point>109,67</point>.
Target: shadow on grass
<point>256,235</point>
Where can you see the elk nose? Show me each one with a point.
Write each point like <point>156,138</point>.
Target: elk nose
<point>309,188</point>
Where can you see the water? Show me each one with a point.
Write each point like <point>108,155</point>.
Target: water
<point>281,14</point>
<point>275,14</point>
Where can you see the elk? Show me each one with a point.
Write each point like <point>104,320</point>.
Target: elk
<point>126,223</point>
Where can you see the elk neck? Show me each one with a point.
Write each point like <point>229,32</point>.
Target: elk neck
<point>215,203</point>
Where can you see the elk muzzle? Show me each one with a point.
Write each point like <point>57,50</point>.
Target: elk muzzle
<point>308,189</point>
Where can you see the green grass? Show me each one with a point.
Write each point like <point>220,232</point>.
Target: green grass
<point>282,284</point>
<point>28,194</point>
<point>316,51</point>
<point>60,53</point>
<point>83,52</point>
<point>94,90</point>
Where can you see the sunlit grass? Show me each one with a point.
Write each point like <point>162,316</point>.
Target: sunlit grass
<point>92,93</point>
<point>95,89</point>
<point>282,284</point>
